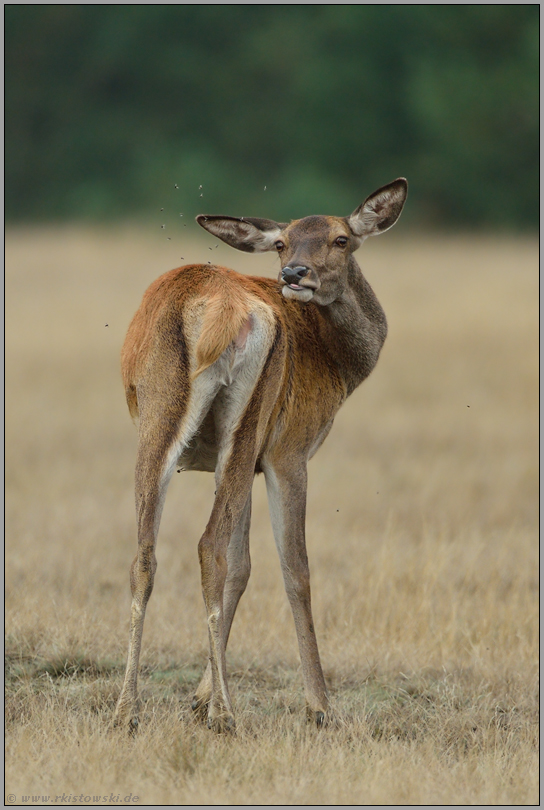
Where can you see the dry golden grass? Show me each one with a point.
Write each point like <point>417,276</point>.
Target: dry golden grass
<point>422,535</point>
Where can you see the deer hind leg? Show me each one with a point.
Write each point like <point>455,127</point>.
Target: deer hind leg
<point>168,422</point>
<point>234,478</point>
<point>286,487</point>
<point>238,570</point>
<point>242,412</point>
<point>150,491</point>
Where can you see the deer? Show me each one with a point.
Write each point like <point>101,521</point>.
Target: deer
<point>238,375</point>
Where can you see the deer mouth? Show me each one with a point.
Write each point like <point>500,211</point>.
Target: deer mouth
<point>298,292</point>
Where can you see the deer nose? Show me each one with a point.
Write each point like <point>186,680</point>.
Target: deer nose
<point>292,275</point>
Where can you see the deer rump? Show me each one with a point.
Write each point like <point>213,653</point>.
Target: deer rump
<point>215,330</point>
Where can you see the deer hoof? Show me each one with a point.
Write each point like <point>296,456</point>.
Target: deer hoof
<point>222,724</point>
<point>200,707</point>
<point>320,717</point>
<point>129,723</point>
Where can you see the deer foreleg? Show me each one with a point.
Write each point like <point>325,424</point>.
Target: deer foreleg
<point>286,486</point>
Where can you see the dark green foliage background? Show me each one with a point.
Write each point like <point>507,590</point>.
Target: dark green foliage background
<point>108,106</point>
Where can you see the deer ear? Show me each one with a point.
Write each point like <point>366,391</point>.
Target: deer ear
<point>380,211</point>
<point>248,234</point>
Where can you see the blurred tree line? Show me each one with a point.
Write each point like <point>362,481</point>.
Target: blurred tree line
<point>275,110</point>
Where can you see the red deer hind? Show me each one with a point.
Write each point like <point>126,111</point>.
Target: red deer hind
<point>238,375</point>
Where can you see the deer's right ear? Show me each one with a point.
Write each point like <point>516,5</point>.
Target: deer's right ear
<point>248,234</point>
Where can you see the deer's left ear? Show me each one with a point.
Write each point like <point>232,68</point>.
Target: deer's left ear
<point>248,234</point>
<point>380,211</point>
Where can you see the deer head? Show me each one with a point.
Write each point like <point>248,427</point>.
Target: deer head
<point>315,252</point>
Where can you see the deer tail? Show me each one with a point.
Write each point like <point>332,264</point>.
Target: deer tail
<point>226,316</point>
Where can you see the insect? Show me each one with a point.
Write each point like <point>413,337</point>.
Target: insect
<point>239,375</point>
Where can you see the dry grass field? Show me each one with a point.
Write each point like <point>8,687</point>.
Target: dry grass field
<point>422,538</point>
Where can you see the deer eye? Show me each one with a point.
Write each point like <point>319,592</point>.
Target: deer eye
<point>279,246</point>
<point>341,241</point>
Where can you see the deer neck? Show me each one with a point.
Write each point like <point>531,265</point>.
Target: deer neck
<point>354,328</point>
